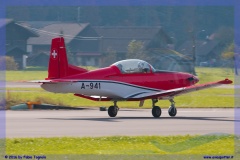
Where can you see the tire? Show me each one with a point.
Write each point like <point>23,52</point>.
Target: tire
<point>172,111</point>
<point>156,111</point>
<point>112,111</point>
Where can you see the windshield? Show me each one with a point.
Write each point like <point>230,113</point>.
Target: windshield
<point>133,66</point>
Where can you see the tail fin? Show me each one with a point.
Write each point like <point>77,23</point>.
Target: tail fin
<point>58,63</point>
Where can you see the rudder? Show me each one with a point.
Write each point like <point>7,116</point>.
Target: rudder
<point>58,63</point>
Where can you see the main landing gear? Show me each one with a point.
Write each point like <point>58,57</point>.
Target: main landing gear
<point>156,110</point>
<point>113,110</point>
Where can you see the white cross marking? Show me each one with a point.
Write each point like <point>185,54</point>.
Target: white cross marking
<point>54,54</point>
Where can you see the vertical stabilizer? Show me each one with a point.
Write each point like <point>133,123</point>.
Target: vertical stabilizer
<point>58,63</point>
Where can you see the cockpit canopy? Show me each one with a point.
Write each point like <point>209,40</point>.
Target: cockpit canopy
<point>133,66</point>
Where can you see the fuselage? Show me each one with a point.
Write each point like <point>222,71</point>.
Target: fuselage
<point>111,82</point>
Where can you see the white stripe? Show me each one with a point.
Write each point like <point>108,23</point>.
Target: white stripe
<point>112,89</point>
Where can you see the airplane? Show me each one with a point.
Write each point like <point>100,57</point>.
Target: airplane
<point>125,80</point>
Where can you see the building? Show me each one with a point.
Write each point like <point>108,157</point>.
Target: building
<point>118,38</point>
<point>206,52</point>
<point>81,40</point>
<point>16,40</point>
<point>38,59</point>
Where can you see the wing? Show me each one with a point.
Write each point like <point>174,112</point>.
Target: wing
<point>168,94</point>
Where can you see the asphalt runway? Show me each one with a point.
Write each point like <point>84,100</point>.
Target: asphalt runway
<point>131,122</point>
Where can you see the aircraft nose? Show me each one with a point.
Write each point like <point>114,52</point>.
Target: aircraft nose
<point>193,79</point>
<point>196,80</point>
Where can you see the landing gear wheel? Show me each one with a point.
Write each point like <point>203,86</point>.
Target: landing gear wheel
<point>172,111</point>
<point>156,111</point>
<point>112,111</point>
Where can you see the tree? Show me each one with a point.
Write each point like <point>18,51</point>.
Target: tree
<point>225,35</point>
<point>228,55</point>
<point>9,62</point>
<point>136,50</point>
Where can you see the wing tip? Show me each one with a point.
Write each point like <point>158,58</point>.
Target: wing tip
<point>226,81</point>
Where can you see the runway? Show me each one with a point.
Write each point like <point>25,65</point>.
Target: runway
<point>131,122</point>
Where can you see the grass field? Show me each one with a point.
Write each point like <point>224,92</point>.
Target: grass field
<point>206,74</point>
<point>140,145</point>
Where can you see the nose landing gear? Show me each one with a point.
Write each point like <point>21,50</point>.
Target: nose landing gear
<point>172,111</point>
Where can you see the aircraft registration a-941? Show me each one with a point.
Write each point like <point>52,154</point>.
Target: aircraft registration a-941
<point>126,80</point>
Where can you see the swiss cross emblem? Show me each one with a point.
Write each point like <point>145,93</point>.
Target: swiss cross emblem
<point>54,54</point>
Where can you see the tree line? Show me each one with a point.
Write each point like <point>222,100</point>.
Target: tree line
<point>178,21</point>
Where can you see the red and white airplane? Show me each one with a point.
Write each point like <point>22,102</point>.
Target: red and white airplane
<point>126,80</point>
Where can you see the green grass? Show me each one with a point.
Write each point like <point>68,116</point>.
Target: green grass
<point>206,74</point>
<point>18,76</point>
<point>36,68</point>
<point>215,97</point>
<point>115,145</point>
